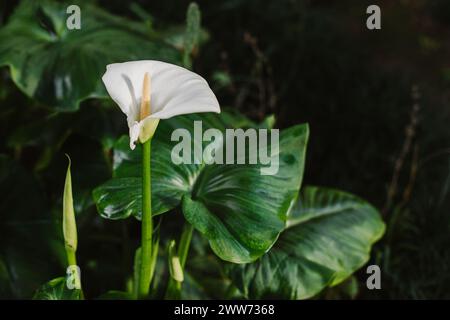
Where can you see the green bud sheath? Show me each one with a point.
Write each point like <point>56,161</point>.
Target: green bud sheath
<point>69,223</point>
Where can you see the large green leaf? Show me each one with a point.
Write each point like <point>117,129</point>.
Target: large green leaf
<point>329,236</point>
<point>61,67</point>
<point>116,295</point>
<point>56,289</point>
<point>240,211</point>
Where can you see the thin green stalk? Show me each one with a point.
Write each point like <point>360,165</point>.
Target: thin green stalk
<point>71,257</point>
<point>185,242</point>
<point>147,222</point>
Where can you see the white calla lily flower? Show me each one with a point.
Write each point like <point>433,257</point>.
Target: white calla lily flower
<point>148,90</point>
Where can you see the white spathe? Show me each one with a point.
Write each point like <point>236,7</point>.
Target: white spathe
<point>174,91</point>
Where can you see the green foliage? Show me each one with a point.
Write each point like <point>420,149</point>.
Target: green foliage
<point>239,210</point>
<point>283,66</point>
<point>61,67</point>
<point>56,289</point>
<point>328,237</point>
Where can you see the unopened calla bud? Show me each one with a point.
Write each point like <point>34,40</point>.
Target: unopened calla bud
<point>148,124</point>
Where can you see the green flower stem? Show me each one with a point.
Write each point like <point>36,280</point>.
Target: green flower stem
<point>147,222</point>
<point>185,242</point>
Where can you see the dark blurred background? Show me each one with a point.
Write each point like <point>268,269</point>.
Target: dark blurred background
<point>377,101</point>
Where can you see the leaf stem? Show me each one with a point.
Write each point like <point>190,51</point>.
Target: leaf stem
<point>147,222</point>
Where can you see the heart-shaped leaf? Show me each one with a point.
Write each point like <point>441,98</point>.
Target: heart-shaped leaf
<point>329,236</point>
<point>61,67</point>
<point>238,209</point>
